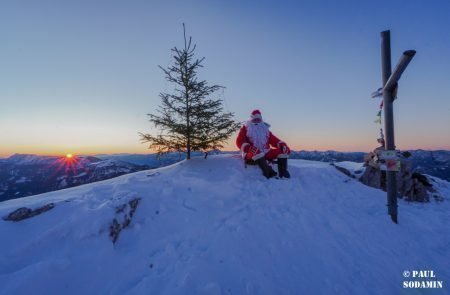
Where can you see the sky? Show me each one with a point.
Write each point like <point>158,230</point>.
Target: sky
<point>81,76</point>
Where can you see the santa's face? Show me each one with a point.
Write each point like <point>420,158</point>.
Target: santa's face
<point>256,120</point>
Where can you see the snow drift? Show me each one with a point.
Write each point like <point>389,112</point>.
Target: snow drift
<point>214,227</point>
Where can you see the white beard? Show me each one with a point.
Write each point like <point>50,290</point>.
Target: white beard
<point>258,134</point>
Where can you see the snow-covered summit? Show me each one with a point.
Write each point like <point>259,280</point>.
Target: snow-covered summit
<point>29,159</point>
<point>214,227</point>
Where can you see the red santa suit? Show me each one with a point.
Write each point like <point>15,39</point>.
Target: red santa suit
<point>256,141</point>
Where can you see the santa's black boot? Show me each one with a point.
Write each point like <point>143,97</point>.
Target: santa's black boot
<point>265,168</point>
<point>282,168</point>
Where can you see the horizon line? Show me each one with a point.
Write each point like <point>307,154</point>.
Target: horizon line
<point>236,150</point>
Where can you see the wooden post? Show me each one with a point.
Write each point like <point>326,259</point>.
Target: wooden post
<point>389,87</point>
<point>391,184</point>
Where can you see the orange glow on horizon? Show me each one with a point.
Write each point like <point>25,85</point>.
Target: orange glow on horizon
<point>294,144</point>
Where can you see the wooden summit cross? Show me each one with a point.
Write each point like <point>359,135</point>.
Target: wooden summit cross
<point>389,94</point>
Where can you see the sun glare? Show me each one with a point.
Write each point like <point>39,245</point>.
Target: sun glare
<point>69,156</point>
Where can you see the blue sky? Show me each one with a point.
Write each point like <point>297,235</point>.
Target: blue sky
<point>80,76</point>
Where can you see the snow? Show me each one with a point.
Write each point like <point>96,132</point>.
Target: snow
<point>350,166</point>
<point>22,180</point>
<point>81,175</point>
<point>63,183</point>
<point>355,169</point>
<point>26,159</point>
<point>105,164</point>
<point>214,227</point>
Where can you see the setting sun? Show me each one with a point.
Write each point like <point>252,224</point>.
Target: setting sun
<point>69,156</point>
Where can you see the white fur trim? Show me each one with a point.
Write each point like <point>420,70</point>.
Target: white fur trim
<point>256,116</point>
<point>243,148</point>
<point>258,156</point>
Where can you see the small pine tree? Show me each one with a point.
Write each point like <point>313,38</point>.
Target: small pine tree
<point>188,119</point>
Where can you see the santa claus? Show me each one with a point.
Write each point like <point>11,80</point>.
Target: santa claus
<point>258,145</point>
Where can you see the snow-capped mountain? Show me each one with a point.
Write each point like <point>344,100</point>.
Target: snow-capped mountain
<point>436,163</point>
<point>154,160</point>
<point>215,227</point>
<point>328,156</point>
<point>25,175</point>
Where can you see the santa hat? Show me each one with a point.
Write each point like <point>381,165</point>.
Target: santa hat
<point>256,114</point>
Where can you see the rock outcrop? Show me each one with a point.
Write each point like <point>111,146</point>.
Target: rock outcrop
<point>24,212</point>
<point>411,185</point>
<point>124,214</point>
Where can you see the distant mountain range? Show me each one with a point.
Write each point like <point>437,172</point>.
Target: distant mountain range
<point>435,163</point>
<point>153,160</point>
<point>25,175</point>
<point>328,156</point>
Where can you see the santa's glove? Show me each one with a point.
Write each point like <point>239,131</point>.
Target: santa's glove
<point>284,148</point>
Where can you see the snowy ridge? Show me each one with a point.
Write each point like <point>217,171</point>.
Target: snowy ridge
<point>356,170</point>
<point>26,159</point>
<point>213,227</point>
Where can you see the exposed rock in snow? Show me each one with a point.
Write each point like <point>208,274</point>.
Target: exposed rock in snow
<point>124,214</point>
<point>24,213</point>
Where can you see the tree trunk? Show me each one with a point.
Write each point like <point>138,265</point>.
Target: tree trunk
<point>188,144</point>
<point>186,96</point>
<point>188,125</point>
